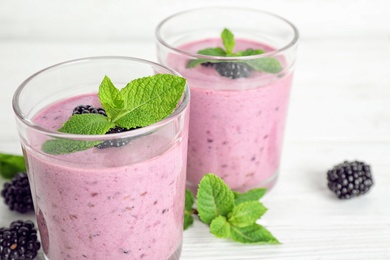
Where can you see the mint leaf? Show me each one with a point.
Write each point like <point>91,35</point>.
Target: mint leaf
<point>64,146</point>
<point>10,165</point>
<point>251,195</point>
<point>253,234</point>
<point>84,124</point>
<point>228,40</point>
<point>246,213</point>
<point>148,100</point>
<point>214,198</point>
<point>220,227</point>
<point>266,64</point>
<point>189,202</point>
<point>213,52</point>
<point>87,124</point>
<point>109,95</point>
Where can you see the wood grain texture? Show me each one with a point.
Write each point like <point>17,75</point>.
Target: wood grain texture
<point>339,110</point>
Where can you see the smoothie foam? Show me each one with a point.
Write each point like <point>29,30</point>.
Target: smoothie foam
<point>120,210</point>
<point>236,125</point>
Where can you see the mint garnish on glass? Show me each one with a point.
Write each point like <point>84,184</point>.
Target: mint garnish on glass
<point>140,103</point>
<point>229,214</point>
<point>265,64</point>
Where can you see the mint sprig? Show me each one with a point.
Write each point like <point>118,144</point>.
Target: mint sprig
<point>231,215</point>
<point>265,64</point>
<point>140,103</point>
<point>10,165</point>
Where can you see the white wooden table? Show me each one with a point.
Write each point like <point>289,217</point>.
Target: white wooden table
<point>339,110</point>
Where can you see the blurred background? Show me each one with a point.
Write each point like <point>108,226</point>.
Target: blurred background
<point>335,35</point>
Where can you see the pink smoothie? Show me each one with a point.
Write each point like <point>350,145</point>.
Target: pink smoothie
<point>236,125</point>
<point>108,203</point>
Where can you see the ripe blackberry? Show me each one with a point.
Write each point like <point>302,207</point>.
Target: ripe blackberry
<point>233,70</point>
<point>19,241</point>
<point>116,142</point>
<point>350,179</point>
<point>207,64</point>
<point>17,194</point>
<point>88,110</point>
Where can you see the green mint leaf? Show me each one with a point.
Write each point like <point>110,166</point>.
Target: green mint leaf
<point>246,213</point>
<point>87,124</point>
<point>189,202</point>
<point>148,100</point>
<point>10,165</point>
<point>84,124</point>
<point>213,52</point>
<point>220,227</point>
<point>266,64</point>
<point>253,234</point>
<point>214,198</point>
<point>228,40</point>
<point>109,95</point>
<point>188,221</point>
<point>251,195</point>
<point>63,146</point>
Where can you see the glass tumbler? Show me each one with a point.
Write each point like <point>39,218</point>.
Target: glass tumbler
<point>239,90</point>
<point>122,202</point>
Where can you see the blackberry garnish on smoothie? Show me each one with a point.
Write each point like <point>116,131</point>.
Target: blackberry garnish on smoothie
<point>237,68</point>
<point>140,103</point>
<point>88,109</point>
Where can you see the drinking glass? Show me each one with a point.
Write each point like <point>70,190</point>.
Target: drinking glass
<point>122,202</point>
<point>239,102</point>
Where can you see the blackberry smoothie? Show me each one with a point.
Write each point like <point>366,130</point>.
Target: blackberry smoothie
<point>236,125</point>
<point>106,194</point>
<point>83,209</point>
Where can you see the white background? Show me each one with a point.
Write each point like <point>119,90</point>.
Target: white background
<point>339,110</point>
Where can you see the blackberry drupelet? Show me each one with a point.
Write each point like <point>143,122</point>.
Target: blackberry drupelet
<point>19,241</point>
<point>350,179</point>
<point>88,109</point>
<point>17,194</point>
<point>233,70</point>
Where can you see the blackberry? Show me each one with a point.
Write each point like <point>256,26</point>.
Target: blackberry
<point>233,70</point>
<point>88,110</point>
<point>19,241</point>
<point>350,179</point>
<point>207,64</point>
<point>116,142</point>
<point>17,194</point>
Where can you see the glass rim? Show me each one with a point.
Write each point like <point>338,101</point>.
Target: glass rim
<point>161,40</point>
<point>134,132</point>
